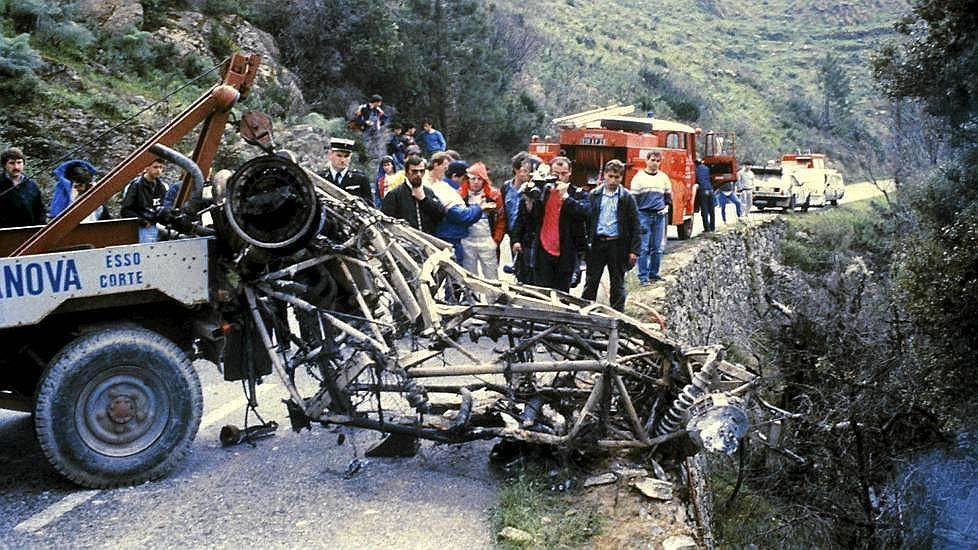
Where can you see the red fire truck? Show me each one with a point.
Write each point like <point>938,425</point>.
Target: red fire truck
<point>592,138</point>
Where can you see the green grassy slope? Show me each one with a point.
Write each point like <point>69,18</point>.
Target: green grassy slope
<point>748,66</point>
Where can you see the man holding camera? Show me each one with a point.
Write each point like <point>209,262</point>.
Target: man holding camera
<point>652,190</point>
<point>546,227</point>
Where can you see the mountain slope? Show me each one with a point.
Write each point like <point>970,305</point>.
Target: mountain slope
<point>752,67</point>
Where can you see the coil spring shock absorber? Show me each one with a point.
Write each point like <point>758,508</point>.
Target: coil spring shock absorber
<point>700,384</point>
<point>415,394</point>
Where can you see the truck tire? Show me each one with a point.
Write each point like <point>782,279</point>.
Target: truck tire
<point>685,229</point>
<point>119,406</point>
<point>807,204</point>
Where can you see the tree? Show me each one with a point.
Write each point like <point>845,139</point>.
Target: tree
<point>833,82</point>
<point>936,63</point>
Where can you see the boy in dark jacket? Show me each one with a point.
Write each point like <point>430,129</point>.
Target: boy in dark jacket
<point>142,199</point>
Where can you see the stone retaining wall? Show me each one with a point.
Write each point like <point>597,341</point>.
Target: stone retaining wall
<point>715,294</point>
<point>714,288</point>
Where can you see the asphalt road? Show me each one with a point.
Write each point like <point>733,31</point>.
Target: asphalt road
<point>288,491</point>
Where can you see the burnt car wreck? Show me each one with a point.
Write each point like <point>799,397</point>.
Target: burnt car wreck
<point>361,287</point>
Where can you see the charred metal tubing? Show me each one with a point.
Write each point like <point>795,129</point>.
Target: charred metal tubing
<point>626,401</point>
<point>232,435</point>
<point>464,411</point>
<point>270,346</point>
<point>441,436</point>
<point>183,161</point>
<point>489,368</point>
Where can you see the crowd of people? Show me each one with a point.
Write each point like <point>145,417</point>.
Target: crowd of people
<point>21,203</point>
<point>552,225</point>
<point>555,228</point>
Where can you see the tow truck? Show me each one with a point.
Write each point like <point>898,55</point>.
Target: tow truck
<point>591,138</point>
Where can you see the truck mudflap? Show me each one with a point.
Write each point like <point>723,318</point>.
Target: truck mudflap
<point>31,287</point>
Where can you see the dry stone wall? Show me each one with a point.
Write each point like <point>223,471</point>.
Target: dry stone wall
<point>715,293</point>
<point>715,290</point>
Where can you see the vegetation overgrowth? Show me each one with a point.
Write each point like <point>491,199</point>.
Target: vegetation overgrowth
<point>528,501</point>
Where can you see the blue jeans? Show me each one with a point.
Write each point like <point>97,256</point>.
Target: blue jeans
<point>150,234</point>
<point>723,199</point>
<point>652,230</point>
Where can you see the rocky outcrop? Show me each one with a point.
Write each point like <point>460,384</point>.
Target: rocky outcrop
<point>112,15</point>
<point>193,34</point>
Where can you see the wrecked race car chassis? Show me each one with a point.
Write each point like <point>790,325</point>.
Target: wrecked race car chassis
<point>383,319</point>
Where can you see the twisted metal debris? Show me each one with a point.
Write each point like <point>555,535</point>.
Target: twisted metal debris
<point>365,320</point>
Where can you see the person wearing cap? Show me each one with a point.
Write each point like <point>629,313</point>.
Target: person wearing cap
<point>20,198</point>
<point>67,176</point>
<point>413,202</point>
<point>545,227</point>
<point>339,173</point>
<point>480,247</point>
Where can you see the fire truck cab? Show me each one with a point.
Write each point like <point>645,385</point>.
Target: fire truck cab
<point>592,138</point>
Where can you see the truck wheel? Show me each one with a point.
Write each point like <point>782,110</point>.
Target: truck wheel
<point>685,229</point>
<point>118,406</point>
<point>807,204</point>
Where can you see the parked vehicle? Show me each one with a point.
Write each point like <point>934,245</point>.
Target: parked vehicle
<point>797,180</point>
<point>97,330</point>
<point>592,138</point>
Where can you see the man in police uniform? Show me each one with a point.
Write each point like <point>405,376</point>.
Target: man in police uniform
<point>339,172</point>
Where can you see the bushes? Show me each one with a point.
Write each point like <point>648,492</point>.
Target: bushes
<point>17,63</point>
<point>50,23</point>
<point>816,244</point>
